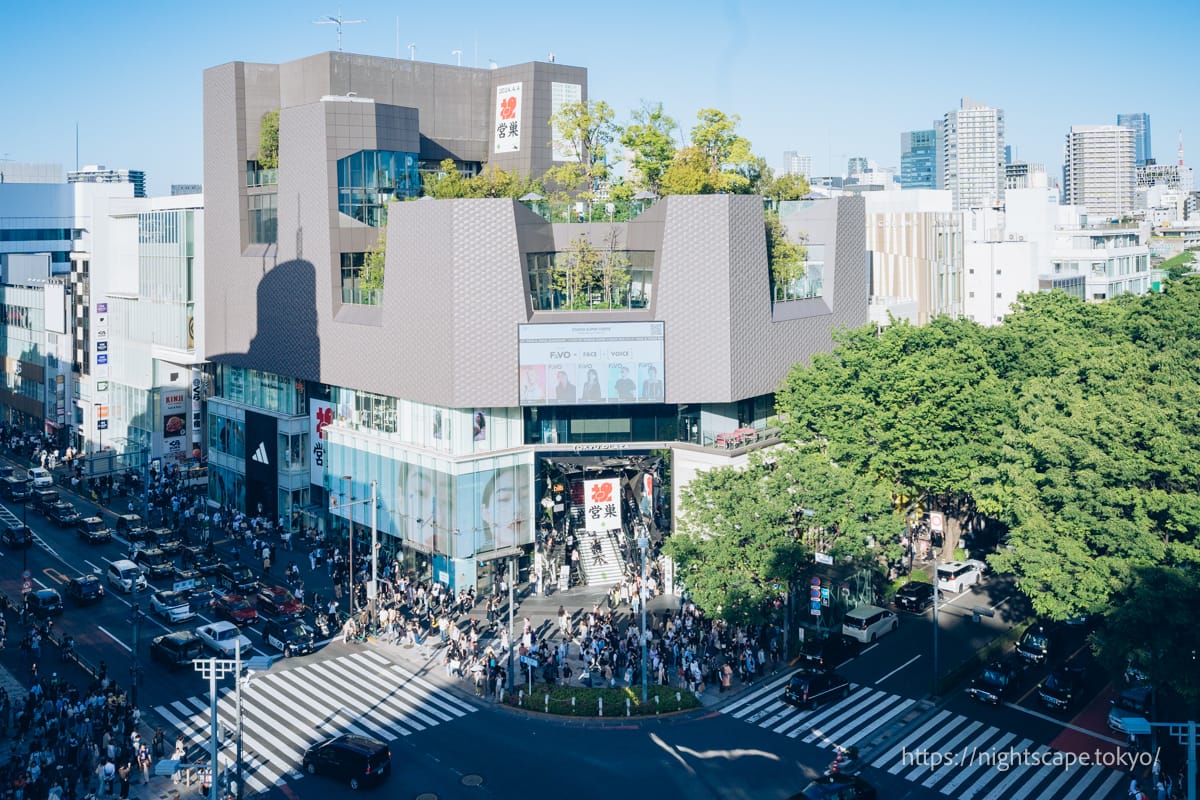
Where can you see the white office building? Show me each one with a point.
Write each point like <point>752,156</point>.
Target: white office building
<point>797,164</point>
<point>970,155</point>
<point>1100,170</point>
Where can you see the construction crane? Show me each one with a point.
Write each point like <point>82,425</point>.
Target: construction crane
<point>339,21</point>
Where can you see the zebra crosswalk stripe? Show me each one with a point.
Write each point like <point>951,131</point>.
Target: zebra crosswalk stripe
<point>894,755</point>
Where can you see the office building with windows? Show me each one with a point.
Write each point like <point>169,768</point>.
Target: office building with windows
<point>492,386</point>
<point>102,174</point>
<point>918,154</point>
<point>971,155</point>
<point>796,164</point>
<point>1140,125</point>
<point>1100,170</point>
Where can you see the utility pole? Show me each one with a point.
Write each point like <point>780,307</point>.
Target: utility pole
<point>373,589</point>
<point>644,546</point>
<point>512,642</point>
<point>135,669</point>
<point>935,621</point>
<point>214,668</point>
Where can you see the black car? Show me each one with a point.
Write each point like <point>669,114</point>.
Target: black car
<point>176,649</point>
<point>198,558</point>
<point>915,596</point>
<point>85,589</point>
<point>93,529</point>
<point>155,562</point>
<point>62,514</point>
<point>18,490</point>
<point>164,539</point>
<point>994,683</point>
<point>42,499</point>
<point>44,603</point>
<point>17,537</point>
<point>131,526</point>
<point>810,688</point>
<point>358,760</point>
<point>1035,644</point>
<point>827,652</point>
<point>1062,687</point>
<point>289,636</point>
<point>837,787</point>
<point>237,578</point>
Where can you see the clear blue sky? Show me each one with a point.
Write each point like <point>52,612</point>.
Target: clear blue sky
<point>827,79</point>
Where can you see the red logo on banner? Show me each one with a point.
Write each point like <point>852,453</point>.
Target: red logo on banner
<point>508,108</point>
<point>324,417</point>
<point>602,493</point>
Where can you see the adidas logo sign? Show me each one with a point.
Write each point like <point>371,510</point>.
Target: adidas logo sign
<point>260,455</point>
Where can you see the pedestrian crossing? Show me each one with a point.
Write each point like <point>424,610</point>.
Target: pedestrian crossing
<point>966,748</point>
<point>285,712</point>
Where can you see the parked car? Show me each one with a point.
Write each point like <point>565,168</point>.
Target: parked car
<point>1035,644</point>
<point>172,606</point>
<point>866,623</point>
<point>358,760</point>
<point>277,602</point>
<point>17,489</point>
<point>18,536</point>
<point>63,514</point>
<point>838,787</point>
<point>954,576</point>
<point>41,478</point>
<point>131,526</point>
<point>155,562</point>
<point>289,636</point>
<point>994,683</point>
<point>123,574</point>
<point>223,637</point>
<point>43,603</point>
<point>236,609</point>
<point>176,649</point>
<point>85,589</point>
<point>810,688</point>
<point>827,652</point>
<point>1062,688</point>
<point>1133,703</point>
<point>237,578</point>
<point>915,596</point>
<point>93,529</point>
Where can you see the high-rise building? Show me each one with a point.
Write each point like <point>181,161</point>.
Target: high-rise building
<point>971,155</point>
<point>856,165</point>
<point>1100,170</point>
<point>98,173</point>
<point>1140,124</point>
<point>918,151</point>
<point>796,164</point>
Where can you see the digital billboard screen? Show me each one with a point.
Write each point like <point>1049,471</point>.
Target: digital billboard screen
<point>616,362</point>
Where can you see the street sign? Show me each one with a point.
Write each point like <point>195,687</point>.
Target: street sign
<point>822,558</point>
<point>815,610</point>
<point>26,586</point>
<point>936,521</point>
<point>529,662</point>
<point>26,574</point>
<point>101,424</point>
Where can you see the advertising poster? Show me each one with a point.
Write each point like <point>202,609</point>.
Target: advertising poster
<point>174,420</point>
<point>495,509</point>
<point>602,504</point>
<point>618,362</point>
<point>320,415</point>
<point>424,506</point>
<point>261,477</point>
<point>507,131</point>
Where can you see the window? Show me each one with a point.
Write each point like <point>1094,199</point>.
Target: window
<point>263,218</point>
<point>368,179</point>
<point>613,279</point>
<point>352,289</point>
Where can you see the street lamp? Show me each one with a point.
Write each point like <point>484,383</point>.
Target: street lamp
<point>214,668</point>
<point>644,545</point>
<point>350,521</point>
<point>935,622</point>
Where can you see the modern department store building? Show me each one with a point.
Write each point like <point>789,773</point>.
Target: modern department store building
<point>480,406</point>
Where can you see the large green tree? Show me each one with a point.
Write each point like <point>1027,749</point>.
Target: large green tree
<point>650,137</point>
<point>587,129</point>
<point>718,160</point>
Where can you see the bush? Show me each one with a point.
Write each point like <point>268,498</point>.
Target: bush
<point>587,700</point>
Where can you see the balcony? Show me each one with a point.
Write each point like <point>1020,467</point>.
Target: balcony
<point>587,211</point>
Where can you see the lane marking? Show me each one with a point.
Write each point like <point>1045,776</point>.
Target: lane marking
<point>114,638</point>
<point>897,669</point>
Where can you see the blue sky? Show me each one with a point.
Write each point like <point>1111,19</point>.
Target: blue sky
<point>830,80</point>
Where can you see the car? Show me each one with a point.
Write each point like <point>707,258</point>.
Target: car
<point>202,596</point>
<point>358,760</point>
<point>18,490</point>
<point>164,539</point>
<point>1062,687</point>
<point>866,623</point>
<point>994,683</point>
<point>41,478</point>
<point>84,589</point>
<point>123,574</point>
<point>176,649</point>
<point>837,787</point>
<point>915,596</point>
<point>63,514</point>
<point>224,637</point>
<point>955,576</point>
<point>235,608</point>
<point>42,499</point>
<point>93,529</point>
<point>17,536</point>
<point>131,526</point>
<point>6,471</point>
<point>289,636</point>
<point>827,652</point>
<point>810,688</point>
<point>1035,644</point>
<point>1131,704</point>
<point>155,562</point>
<point>172,606</point>
<point>43,603</point>
<point>277,602</point>
<point>237,578</point>
<point>199,559</point>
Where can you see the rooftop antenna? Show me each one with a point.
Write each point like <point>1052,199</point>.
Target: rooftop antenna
<point>550,57</point>
<point>412,51</point>
<point>339,21</point>
<point>459,54</point>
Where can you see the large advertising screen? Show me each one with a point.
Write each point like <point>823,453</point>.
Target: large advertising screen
<point>615,362</point>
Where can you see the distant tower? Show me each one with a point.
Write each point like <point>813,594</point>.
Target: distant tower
<point>1100,172</point>
<point>1140,124</point>
<point>970,155</point>
<point>918,152</point>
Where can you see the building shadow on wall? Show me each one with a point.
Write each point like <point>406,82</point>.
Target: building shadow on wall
<point>286,342</point>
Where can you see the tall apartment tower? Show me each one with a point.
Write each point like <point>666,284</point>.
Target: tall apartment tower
<point>918,154</point>
<point>970,155</point>
<point>1100,169</point>
<point>1140,124</point>
<point>796,164</point>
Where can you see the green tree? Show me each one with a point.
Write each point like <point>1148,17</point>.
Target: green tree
<point>577,272</point>
<point>447,182</point>
<point>718,161</point>
<point>785,187</point>
<point>588,129</point>
<point>1179,265</point>
<point>370,277</point>
<point>785,258</point>
<point>651,138</point>
<point>614,273</point>
<point>268,140</point>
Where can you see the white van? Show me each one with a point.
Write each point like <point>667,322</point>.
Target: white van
<point>867,623</point>
<point>123,574</point>
<point>954,576</point>
<point>41,477</point>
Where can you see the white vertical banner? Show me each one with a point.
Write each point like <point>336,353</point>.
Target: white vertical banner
<point>320,415</point>
<point>562,94</point>
<point>197,398</point>
<point>507,131</point>
<point>602,504</point>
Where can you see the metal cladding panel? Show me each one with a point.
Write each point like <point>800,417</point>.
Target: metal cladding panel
<point>692,298</point>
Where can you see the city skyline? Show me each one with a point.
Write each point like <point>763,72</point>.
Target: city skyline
<point>836,95</point>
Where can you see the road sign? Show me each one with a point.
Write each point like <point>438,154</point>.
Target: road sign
<point>823,558</point>
<point>529,662</point>
<point>936,521</point>
<point>26,574</point>
<point>101,424</point>
<point>26,586</point>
